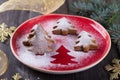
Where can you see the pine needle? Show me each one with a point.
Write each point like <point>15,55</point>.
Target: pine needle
<point>105,13</point>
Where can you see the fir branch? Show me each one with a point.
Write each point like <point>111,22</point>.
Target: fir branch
<point>118,45</point>
<point>82,8</point>
<point>114,7</point>
<point>100,15</point>
<point>113,19</point>
<point>115,14</point>
<point>114,31</point>
<point>98,2</point>
<point>115,28</point>
<point>98,10</point>
<point>105,13</point>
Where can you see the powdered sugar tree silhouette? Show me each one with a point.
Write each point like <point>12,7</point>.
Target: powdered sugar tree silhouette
<point>63,58</point>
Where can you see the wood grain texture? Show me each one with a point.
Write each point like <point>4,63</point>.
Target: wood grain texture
<point>16,18</point>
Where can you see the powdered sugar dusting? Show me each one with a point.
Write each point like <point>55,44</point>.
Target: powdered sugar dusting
<point>63,23</point>
<point>85,39</point>
<point>30,58</point>
<point>45,60</point>
<point>40,41</point>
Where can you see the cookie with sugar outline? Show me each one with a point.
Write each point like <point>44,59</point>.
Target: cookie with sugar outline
<point>64,27</point>
<point>32,36</point>
<point>85,42</point>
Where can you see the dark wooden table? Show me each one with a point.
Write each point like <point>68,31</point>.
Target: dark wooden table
<point>16,18</point>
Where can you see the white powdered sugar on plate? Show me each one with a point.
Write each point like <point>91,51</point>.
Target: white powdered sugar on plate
<point>30,58</point>
<point>63,23</point>
<point>45,60</point>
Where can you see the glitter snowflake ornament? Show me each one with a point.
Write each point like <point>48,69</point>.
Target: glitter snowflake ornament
<point>5,32</point>
<point>115,69</point>
<point>17,76</point>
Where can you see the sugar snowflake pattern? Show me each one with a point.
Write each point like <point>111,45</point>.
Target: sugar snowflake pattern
<point>5,32</point>
<point>115,69</point>
<point>17,76</point>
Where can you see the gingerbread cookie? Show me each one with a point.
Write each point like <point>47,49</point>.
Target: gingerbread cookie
<point>85,42</point>
<point>64,27</point>
<point>39,42</point>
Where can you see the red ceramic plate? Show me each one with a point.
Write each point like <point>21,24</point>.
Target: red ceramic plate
<point>63,59</point>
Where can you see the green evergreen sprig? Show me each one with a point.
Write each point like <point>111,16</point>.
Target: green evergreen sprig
<point>114,31</point>
<point>108,14</point>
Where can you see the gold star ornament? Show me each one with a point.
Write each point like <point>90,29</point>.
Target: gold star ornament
<point>41,6</point>
<point>5,32</point>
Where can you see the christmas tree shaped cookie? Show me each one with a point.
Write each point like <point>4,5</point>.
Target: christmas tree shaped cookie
<point>85,42</point>
<point>39,42</point>
<point>63,27</point>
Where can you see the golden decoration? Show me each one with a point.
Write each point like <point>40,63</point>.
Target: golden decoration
<point>17,76</point>
<point>115,69</point>
<point>5,32</point>
<point>3,62</point>
<point>41,6</point>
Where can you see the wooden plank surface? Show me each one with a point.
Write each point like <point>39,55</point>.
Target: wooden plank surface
<point>16,18</point>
